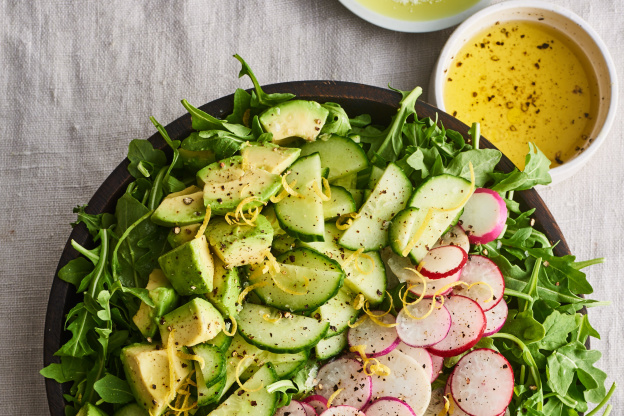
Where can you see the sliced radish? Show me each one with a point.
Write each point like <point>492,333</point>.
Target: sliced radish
<point>455,237</point>
<point>482,269</point>
<point>423,332</point>
<point>483,383</point>
<point>467,326</point>
<point>457,411</point>
<point>443,261</point>
<point>421,356</point>
<point>310,411</point>
<point>437,363</point>
<point>347,374</point>
<point>293,409</point>
<point>484,216</point>
<point>436,405</point>
<point>407,380</point>
<point>342,411</point>
<point>401,266</point>
<point>389,406</point>
<point>318,403</point>
<point>495,318</point>
<point>378,339</point>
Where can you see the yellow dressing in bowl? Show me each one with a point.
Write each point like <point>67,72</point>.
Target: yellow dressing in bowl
<point>418,10</point>
<point>524,82</point>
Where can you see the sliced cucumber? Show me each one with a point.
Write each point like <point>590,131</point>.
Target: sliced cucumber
<point>370,230</point>
<point>221,341</point>
<point>340,154</point>
<point>375,174</point>
<point>347,181</point>
<point>249,400</point>
<point>358,196</point>
<point>285,365</point>
<point>214,365</point>
<point>208,395</point>
<point>293,334</point>
<point>302,217</point>
<point>339,312</point>
<point>331,347</point>
<point>238,349</point>
<point>311,277</point>
<point>372,283</point>
<point>438,202</point>
<point>341,202</point>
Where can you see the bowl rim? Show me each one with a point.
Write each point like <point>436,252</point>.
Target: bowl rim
<point>411,26</point>
<point>436,84</point>
<point>114,186</point>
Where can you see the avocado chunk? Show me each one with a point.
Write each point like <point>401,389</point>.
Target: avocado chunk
<point>180,235</point>
<point>238,245</point>
<point>181,208</point>
<point>270,157</point>
<point>164,297</point>
<point>296,118</point>
<point>148,373</point>
<point>132,409</point>
<point>194,322</point>
<point>90,410</point>
<point>189,267</point>
<point>226,290</point>
<point>226,184</point>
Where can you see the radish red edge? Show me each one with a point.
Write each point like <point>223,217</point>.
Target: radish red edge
<point>294,408</point>
<point>480,269</point>
<point>444,261</point>
<point>385,406</point>
<point>422,333</point>
<point>480,229</point>
<point>310,411</point>
<point>317,402</point>
<point>342,411</point>
<point>496,318</point>
<point>378,339</point>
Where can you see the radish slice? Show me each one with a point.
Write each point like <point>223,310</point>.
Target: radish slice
<point>379,340</point>
<point>455,237</point>
<point>342,411</point>
<point>483,383</point>
<point>310,411</point>
<point>437,363</point>
<point>293,409</point>
<point>398,266</point>
<point>421,356</point>
<point>443,261</point>
<point>407,380</point>
<point>436,405</point>
<point>344,373</point>
<point>389,406</point>
<point>318,403</point>
<point>495,318</point>
<point>484,216</point>
<point>482,269</point>
<point>423,332</point>
<point>467,326</point>
<point>457,411</point>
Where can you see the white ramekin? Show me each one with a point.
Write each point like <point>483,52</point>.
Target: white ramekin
<point>569,24</point>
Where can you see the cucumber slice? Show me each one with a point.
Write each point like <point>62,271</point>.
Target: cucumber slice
<point>341,202</point>
<point>358,196</point>
<point>372,284</point>
<point>370,230</point>
<point>375,174</point>
<point>303,217</point>
<point>348,181</point>
<point>214,365</point>
<point>208,395</point>
<point>331,347</point>
<point>283,243</point>
<point>340,154</point>
<point>248,400</point>
<point>293,334</point>
<point>445,193</point>
<point>339,312</point>
<point>285,365</point>
<point>324,275</point>
<point>221,341</point>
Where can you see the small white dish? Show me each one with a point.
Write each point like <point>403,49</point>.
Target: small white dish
<point>411,26</point>
<point>571,25</point>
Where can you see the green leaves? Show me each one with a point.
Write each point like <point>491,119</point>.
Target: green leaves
<point>144,159</point>
<point>113,390</point>
<point>79,323</point>
<point>75,271</point>
<point>557,327</point>
<point>259,98</point>
<point>535,173</point>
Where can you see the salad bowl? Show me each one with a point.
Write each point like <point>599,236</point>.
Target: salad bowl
<point>354,98</point>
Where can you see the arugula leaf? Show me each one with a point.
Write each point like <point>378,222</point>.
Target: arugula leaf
<point>483,162</point>
<point>557,326</point>
<point>223,143</point>
<point>337,120</point>
<point>259,98</point>
<point>113,390</point>
<point>361,121</point>
<point>144,159</point>
<point>535,173</point>
<point>79,323</point>
<point>242,102</point>
<point>75,271</point>
<point>70,369</point>
<point>200,121</point>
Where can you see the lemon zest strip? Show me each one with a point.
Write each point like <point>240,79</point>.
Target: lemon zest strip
<point>333,396</point>
<point>358,301</point>
<point>237,374</point>
<point>358,322</point>
<point>317,190</point>
<point>352,257</point>
<point>447,404</point>
<point>170,357</point>
<point>204,225</point>
<point>192,357</point>
<point>234,327</point>
<point>288,187</point>
<point>283,194</point>
<point>345,221</point>
<point>248,289</point>
<point>268,318</point>
<point>491,298</point>
<point>289,291</point>
<point>372,263</point>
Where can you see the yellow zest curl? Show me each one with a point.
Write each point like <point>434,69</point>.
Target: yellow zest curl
<point>268,318</point>
<point>284,193</point>
<point>333,396</point>
<point>358,322</point>
<point>409,288</point>
<point>290,291</point>
<point>346,220</point>
<point>447,405</point>
<point>317,190</point>
<point>372,315</point>
<point>358,302</point>
<point>248,289</point>
<point>204,225</point>
<point>233,329</point>
<point>372,264</point>
<point>272,267</point>
<point>238,366</point>
<point>491,298</point>
<point>288,187</point>
<point>192,357</point>
<point>443,289</point>
<point>352,257</point>
<point>360,349</point>
<point>242,191</point>
<point>376,368</point>
<point>170,358</point>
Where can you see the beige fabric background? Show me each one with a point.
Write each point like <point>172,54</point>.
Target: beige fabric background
<point>79,80</point>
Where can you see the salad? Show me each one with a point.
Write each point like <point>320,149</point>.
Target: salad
<point>291,259</point>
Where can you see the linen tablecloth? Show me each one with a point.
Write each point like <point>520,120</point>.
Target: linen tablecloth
<point>79,80</point>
